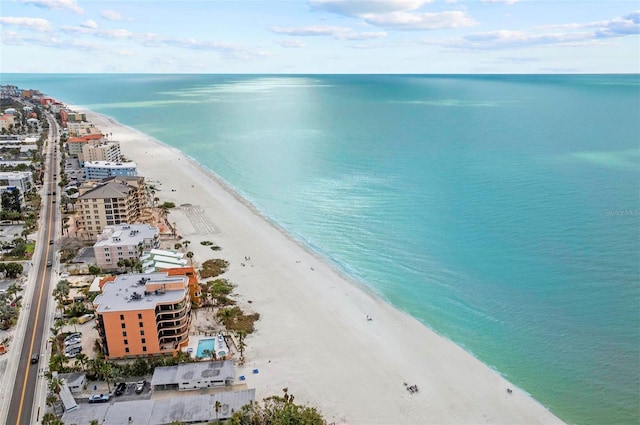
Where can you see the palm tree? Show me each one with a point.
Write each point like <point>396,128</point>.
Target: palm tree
<point>190,257</point>
<point>55,385</point>
<point>218,406</point>
<point>105,370</point>
<point>74,321</point>
<point>57,361</point>
<point>177,246</point>
<point>186,244</point>
<point>51,419</point>
<point>51,401</point>
<point>82,359</point>
<point>241,344</point>
<point>207,353</point>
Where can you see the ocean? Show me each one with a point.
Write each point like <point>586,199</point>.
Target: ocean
<point>502,211</point>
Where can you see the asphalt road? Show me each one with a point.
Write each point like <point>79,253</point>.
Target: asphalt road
<point>24,389</point>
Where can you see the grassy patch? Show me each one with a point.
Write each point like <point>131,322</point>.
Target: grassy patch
<point>213,268</point>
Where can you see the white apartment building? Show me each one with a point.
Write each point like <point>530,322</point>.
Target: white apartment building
<point>98,170</point>
<point>107,151</point>
<point>21,180</point>
<point>124,242</point>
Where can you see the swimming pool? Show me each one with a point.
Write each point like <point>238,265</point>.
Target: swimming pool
<point>205,344</point>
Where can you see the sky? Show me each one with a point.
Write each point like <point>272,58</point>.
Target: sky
<point>320,36</point>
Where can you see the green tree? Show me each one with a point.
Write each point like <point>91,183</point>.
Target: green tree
<point>277,410</point>
<point>52,401</point>
<point>177,246</point>
<point>74,321</point>
<point>94,270</point>
<point>13,270</point>
<point>51,419</point>
<point>55,385</point>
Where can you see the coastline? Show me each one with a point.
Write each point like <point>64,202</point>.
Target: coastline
<point>313,336</point>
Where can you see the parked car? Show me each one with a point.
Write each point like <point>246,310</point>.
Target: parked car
<point>85,318</point>
<point>73,335</point>
<point>35,358</point>
<point>99,398</point>
<point>140,386</point>
<point>50,241</point>
<point>74,352</point>
<point>73,346</point>
<point>121,388</point>
<point>49,263</point>
<point>73,341</point>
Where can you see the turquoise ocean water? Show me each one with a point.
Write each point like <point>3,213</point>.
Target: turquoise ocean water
<point>501,211</point>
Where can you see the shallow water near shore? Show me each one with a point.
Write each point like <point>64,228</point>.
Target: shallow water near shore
<point>501,211</point>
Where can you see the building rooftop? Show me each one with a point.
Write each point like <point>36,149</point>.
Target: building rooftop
<point>129,292</point>
<point>125,235</point>
<point>109,164</point>
<point>187,408</point>
<point>110,189</point>
<point>189,372</point>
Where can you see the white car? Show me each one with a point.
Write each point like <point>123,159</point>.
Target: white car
<point>72,341</point>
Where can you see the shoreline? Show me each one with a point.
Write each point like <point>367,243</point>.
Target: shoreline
<point>313,336</point>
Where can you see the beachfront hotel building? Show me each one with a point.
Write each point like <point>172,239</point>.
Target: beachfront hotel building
<point>98,170</point>
<point>104,151</point>
<point>82,128</point>
<point>124,242</point>
<point>75,144</point>
<point>115,200</point>
<point>143,315</point>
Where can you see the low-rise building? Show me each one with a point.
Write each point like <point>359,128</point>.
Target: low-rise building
<point>160,259</point>
<point>124,242</point>
<point>143,315</point>
<point>181,408</point>
<point>98,170</point>
<point>193,376</point>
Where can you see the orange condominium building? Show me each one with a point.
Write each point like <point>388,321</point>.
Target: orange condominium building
<point>143,315</point>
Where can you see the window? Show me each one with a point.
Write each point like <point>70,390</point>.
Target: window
<point>144,348</point>
<point>119,248</point>
<point>122,317</point>
<point>126,342</point>
<point>144,340</point>
<point>126,350</point>
<point>106,248</point>
<point>142,332</point>
<point>123,326</point>
<point>140,316</point>
<point>141,324</point>
<point>124,333</point>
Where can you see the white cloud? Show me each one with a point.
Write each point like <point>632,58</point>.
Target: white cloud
<point>111,15</point>
<point>291,43</point>
<point>357,8</point>
<point>508,2</point>
<point>401,15</point>
<point>34,24</point>
<point>340,33</point>
<point>362,35</point>
<point>420,21</point>
<point>56,4</point>
<point>89,23</point>
<point>311,31</point>
<point>582,33</point>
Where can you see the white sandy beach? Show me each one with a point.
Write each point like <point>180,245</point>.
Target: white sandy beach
<point>313,336</point>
